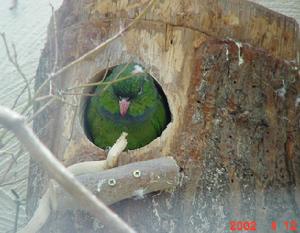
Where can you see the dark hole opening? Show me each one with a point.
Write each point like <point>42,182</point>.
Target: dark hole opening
<point>91,90</point>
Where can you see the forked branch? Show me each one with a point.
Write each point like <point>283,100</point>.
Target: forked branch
<point>16,123</point>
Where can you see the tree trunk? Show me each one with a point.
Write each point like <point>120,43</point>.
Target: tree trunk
<point>230,71</point>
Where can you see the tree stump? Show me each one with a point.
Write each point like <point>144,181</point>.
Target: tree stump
<point>230,72</point>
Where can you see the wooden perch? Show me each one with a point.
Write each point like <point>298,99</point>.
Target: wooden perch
<point>48,202</point>
<point>131,180</point>
<point>116,184</point>
<point>136,179</point>
<point>16,123</point>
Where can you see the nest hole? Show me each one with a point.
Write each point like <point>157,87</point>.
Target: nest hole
<point>89,92</point>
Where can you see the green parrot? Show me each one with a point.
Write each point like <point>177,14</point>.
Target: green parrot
<point>130,102</point>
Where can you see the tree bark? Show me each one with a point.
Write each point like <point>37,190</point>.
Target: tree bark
<point>230,71</point>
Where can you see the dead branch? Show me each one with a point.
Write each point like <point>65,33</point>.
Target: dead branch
<point>132,180</point>
<point>106,84</point>
<point>15,104</point>
<point>12,162</point>
<point>105,43</point>
<point>97,48</point>
<point>55,38</point>
<point>14,61</point>
<point>13,182</point>
<point>48,202</point>
<point>16,123</point>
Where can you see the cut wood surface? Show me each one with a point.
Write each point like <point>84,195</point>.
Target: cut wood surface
<point>132,180</point>
<point>229,71</point>
<point>238,19</point>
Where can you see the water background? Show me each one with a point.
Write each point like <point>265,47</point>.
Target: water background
<point>26,27</point>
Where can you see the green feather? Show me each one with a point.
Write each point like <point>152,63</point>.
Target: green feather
<point>147,115</point>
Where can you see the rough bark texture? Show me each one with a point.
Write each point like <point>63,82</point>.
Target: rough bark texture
<point>235,110</point>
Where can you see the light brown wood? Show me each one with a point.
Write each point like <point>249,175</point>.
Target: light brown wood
<point>133,180</point>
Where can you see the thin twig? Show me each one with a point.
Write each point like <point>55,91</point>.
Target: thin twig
<point>46,105</point>
<point>116,78</point>
<point>13,136</point>
<point>14,62</point>
<point>104,83</point>
<point>14,182</point>
<point>20,94</point>
<point>16,123</point>
<point>106,68</point>
<point>54,68</point>
<point>13,146</point>
<point>40,88</point>
<point>41,109</point>
<point>18,203</point>
<point>13,161</point>
<point>45,97</point>
<point>78,93</point>
<point>55,39</point>
<point>90,53</point>
<point>73,122</point>
<point>99,47</point>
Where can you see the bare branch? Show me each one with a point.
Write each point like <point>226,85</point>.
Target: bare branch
<point>46,105</point>
<point>55,38</point>
<point>48,202</point>
<point>108,41</point>
<point>106,83</point>
<point>12,162</point>
<point>132,180</point>
<point>13,182</point>
<point>91,52</point>
<point>99,47</point>
<point>16,123</point>
<point>18,203</point>
<point>14,61</point>
<point>20,94</point>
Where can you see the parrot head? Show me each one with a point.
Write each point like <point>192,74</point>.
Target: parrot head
<point>129,87</point>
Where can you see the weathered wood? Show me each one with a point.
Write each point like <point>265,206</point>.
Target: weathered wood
<point>238,19</point>
<point>131,180</point>
<point>16,123</point>
<point>235,117</point>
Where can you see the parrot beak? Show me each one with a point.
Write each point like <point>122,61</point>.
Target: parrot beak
<point>124,105</point>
